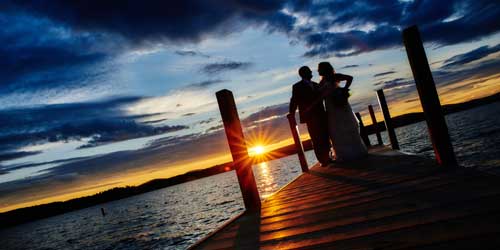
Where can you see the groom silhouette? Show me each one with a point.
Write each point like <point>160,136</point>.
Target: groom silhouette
<point>305,96</point>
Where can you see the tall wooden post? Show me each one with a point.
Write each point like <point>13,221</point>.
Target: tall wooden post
<point>362,130</point>
<point>375,125</point>
<point>298,143</point>
<point>387,119</point>
<point>436,124</point>
<point>237,145</point>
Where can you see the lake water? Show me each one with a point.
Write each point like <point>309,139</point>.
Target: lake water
<point>177,216</point>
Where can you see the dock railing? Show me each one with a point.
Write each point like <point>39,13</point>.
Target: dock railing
<point>429,99</point>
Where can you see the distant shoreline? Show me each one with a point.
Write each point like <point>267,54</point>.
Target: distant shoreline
<point>28,214</point>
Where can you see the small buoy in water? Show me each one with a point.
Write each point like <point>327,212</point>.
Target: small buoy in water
<point>102,212</point>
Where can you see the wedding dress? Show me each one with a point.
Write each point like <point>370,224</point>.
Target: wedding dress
<point>343,128</point>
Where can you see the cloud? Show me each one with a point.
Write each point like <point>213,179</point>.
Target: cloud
<point>38,53</point>
<point>350,66</point>
<point>477,73</point>
<point>339,28</point>
<point>205,84</point>
<point>217,68</point>
<point>104,122</point>
<point>207,121</point>
<point>5,156</point>
<point>175,103</point>
<point>344,28</point>
<point>190,53</point>
<point>384,73</point>
<point>155,121</point>
<point>470,56</point>
<point>178,21</point>
<point>352,42</point>
<point>396,83</point>
<point>67,43</point>
<point>159,154</point>
<point>279,110</point>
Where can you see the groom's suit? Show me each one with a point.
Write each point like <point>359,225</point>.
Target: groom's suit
<point>306,96</point>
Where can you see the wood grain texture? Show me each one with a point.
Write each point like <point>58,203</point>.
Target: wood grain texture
<point>387,201</point>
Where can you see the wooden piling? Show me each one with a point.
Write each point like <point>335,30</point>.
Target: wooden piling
<point>387,119</point>
<point>362,130</point>
<point>237,145</point>
<point>375,125</point>
<point>429,98</point>
<point>298,143</point>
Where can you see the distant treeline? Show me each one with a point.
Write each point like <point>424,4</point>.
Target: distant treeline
<point>23,215</point>
<point>410,118</point>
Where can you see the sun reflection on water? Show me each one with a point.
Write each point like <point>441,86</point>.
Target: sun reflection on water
<point>267,183</point>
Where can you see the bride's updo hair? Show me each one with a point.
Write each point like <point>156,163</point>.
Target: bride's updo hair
<point>325,69</point>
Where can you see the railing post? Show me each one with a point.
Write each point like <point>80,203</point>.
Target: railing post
<point>436,124</point>
<point>375,125</point>
<point>387,119</point>
<point>362,130</point>
<point>237,145</point>
<point>298,143</point>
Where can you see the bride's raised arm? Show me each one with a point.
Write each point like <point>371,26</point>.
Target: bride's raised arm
<point>342,77</point>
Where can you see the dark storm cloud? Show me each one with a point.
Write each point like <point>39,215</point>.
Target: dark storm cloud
<point>351,42</point>
<point>19,62</point>
<point>103,121</point>
<point>72,37</point>
<point>156,20</point>
<point>470,56</point>
<point>216,68</point>
<point>443,22</point>
<point>66,41</point>
<point>40,53</point>
<point>384,73</point>
<point>440,22</point>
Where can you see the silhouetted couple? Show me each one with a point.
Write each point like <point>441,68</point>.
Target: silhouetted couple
<point>326,111</point>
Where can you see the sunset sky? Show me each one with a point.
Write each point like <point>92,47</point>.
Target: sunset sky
<point>95,95</point>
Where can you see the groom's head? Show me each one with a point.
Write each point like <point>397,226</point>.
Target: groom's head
<point>306,73</point>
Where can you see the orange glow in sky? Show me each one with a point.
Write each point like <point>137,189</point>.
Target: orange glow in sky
<point>260,141</point>
<point>257,150</point>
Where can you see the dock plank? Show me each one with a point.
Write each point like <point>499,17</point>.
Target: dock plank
<point>387,201</point>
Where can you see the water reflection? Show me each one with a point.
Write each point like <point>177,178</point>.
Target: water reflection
<point>267,184</point>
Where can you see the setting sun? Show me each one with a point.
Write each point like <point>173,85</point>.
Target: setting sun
<point>257,150</point>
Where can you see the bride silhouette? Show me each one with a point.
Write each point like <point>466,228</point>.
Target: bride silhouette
<point>343,127</point>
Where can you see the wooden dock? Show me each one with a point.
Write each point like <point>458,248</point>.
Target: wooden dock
<point>387,201</point>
